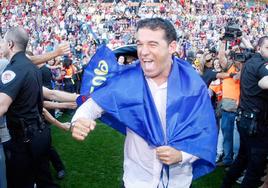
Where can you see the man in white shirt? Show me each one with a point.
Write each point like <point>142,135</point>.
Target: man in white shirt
<point>145,164</point>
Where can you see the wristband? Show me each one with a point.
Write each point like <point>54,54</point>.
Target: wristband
<point>72,126</point>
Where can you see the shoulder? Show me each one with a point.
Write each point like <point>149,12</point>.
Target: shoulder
<point>128,72</point>
<point>22,67</point>
<point>187,72</point>
<point>255,59</point>
<point>255,62</point>
<point>7,76</point>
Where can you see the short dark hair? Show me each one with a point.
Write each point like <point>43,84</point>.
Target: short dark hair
<point>159,23</point>
<point>67,63</point>
<point>262,40</point>
<point>18,36</point>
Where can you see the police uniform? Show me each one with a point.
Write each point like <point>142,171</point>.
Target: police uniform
<point>27,160</point>
<point>252,126</point>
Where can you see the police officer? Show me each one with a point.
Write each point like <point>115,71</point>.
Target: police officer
<point>252,121</point>
<point>21,100</point>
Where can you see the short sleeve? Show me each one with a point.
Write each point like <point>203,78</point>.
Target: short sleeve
<point>12,81</point>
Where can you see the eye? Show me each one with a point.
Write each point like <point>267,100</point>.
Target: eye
<point>138,44</point>
<point>153,44</point>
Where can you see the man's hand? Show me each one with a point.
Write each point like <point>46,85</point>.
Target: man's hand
<point>63,48</point>
<point>66,126</point>
<point>82,127</point>
<point>168,155</point>
<point>232,74</point>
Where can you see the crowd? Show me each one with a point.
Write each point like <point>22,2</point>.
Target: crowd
<point>200,29</point>
<point>198,23</point>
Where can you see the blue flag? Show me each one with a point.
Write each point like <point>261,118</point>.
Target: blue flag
<point>101,67</point>
<point>127,101</point>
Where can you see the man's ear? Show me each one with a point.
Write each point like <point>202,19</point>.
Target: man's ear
<point>258,49</point>
<point>10,44</point>
<point>172,47</point>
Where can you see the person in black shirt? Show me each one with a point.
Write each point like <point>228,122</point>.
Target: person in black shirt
<point>54,155</point>
<point>252,121</point>
<point>21,100</point>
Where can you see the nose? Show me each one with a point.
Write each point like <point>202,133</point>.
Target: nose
<point>143,50</point>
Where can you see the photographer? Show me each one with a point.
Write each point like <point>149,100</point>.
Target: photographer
<point>252,120</point>
<point>230,99</point>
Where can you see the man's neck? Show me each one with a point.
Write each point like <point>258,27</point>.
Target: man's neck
<point>159,80</point>
<point>12,54</point>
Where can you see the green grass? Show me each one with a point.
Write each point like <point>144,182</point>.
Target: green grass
<point>97,162</point>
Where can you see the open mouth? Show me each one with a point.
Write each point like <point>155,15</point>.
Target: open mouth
<point>148,64</point>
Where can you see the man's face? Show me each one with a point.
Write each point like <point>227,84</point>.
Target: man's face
<point>4,48</point>
<point>51,62</point>
<point>154,52</point>
<point>264,49</point>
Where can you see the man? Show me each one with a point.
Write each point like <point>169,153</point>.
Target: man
<point>229,104</point>
<point>252,121</point>
<point>62,49</point>
<point>165,128</point>
<point>4,135</point>
<point>21,100</point>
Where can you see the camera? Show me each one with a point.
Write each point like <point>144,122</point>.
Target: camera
<point>232,31</point>
<point>244,56</point>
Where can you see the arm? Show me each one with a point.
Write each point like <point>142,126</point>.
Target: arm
<point>64,105</point>
<point>54,121</point>
<point>83,119</point>
<point>169,155</point>
<point>245,43</point>
<point>263,83</point>
<point>223,75</point>
<point>62,49</point>
<point>5,102</point>
<point>54,66</point>
<point>56,95</point>
<point>221,55</point>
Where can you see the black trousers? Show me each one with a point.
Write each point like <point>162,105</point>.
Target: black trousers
<point>55,159</point>
<point>252,157</point>
<point>23,170</point>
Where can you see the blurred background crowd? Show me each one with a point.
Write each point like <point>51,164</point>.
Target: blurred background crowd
<point>85,24</point>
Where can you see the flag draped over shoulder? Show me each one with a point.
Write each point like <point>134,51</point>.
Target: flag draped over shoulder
<point>191,127</point>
